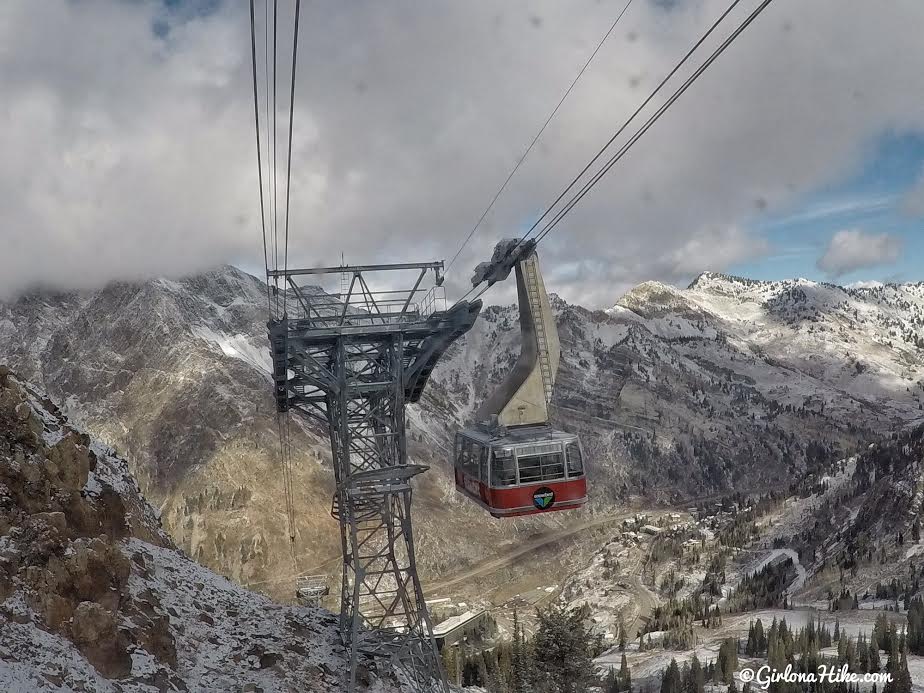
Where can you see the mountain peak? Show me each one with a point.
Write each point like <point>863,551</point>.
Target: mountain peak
<point>708,280</point>
<point>654,298</point>
<point>652,291</point>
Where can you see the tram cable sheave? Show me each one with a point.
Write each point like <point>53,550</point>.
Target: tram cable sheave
<point>352,361</point>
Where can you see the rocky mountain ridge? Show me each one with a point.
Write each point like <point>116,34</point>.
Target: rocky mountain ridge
<point>94,596</point>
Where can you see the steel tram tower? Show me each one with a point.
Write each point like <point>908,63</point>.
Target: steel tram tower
<point>352,360</point>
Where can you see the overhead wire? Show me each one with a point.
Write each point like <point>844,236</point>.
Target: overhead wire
<point>256,115</point>
<point>283,429</point>
<point>270,140</point>
<point>472,291</point>
<point>275,161</point>
<point>611,162</point>
<point>286,438</point>
<point>283,420</point>
<point>651,121</point>
<point>536,138</point>
<point>290,493</point>
<point>632,117</point>
<point>289,165</point>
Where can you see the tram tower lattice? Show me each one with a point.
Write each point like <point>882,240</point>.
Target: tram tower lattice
<point>352,360</point>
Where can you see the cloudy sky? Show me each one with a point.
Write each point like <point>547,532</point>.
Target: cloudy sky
<point>127,139</point>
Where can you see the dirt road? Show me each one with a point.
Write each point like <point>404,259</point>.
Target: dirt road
<point>494,563</point>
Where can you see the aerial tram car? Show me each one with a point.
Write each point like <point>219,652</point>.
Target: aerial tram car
<point>511,461</point>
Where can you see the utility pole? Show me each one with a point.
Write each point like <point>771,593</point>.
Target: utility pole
<point>352,361</point>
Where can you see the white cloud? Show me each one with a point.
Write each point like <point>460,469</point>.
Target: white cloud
<point>126,154</point>
<point>716,248</point>
<point>834,209</point>
<point>852,249</point>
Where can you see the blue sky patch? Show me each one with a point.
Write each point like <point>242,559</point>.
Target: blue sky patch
<point>870,201</point>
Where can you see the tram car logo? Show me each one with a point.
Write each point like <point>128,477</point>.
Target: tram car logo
<point>543,497</point>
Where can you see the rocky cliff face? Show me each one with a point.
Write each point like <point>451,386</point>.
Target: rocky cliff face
<point>729,384</point>
<point>94,596</point>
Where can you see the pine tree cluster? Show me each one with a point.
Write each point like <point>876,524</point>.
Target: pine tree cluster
<point>557,659</point>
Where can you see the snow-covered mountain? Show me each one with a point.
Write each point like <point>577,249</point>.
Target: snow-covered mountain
<point>843,348</point>
<point>94,596</point>
<point>723,385</point>
<point>728,384</point>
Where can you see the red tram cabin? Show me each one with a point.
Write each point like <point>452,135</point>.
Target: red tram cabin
<point>522,471</point>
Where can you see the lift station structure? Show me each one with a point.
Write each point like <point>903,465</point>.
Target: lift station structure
<point>352,360</point>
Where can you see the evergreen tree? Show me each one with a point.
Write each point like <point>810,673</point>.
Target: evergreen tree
<point>470,672</point>
<point>850,655</point>
<point>727,661</point>
<point>504,675</point>
<point>611,682</point>
<point>671,681</point>
<point>475,671</point>
<point>686,681</point>
<point>874,662</point>
<point>562,650</point>
<point>481,666</point>
<point>892,667</point>
<point>625,676</point>
<point>902,676</point>
<point>697,676</point>
<point>760,639</point>
<point>863,653</point>
<point>494,680</point>
<point>915,624</point>
<point>881,631</point>
<point>519,659</point>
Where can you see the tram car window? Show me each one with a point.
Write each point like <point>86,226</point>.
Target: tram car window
<point>575,462</point>
<point>503,468</point>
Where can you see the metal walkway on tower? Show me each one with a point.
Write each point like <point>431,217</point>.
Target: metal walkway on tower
<point>352,360</point>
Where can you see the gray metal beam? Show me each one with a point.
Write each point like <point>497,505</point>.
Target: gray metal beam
<point>343,269</point>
